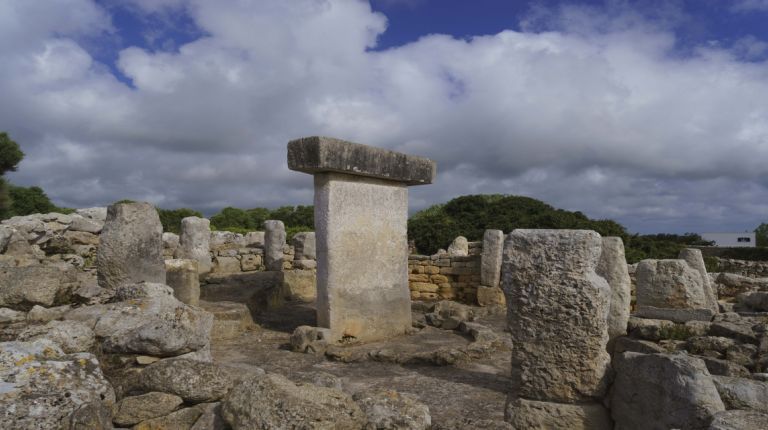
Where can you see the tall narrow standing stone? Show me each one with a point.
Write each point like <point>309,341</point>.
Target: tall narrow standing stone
<point>613,267</point>
<point>557,313</point>
<point>182,277</point>
<point>130,246</point>
<point>304,246</point>
<point>694,259</point>
<point>490,261</point>
<point>274,241</point>
<point>361,210</point>
<point>195,242</point>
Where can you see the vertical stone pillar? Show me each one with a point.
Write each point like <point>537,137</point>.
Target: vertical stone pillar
<point>274,241</point>
<point>130,246</point>
<point>182,277</point>
<point>488,292</point>
<point>361,211</point>
<point>557,313</point>
<point>613,268</point>
<point>694,259</point>
<point>195,242</point>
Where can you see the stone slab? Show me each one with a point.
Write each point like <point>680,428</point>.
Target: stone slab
<point>360,220</point>
<point>318,154</point>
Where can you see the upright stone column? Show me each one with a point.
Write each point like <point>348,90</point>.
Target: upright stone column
<point>488,292</point>
<point>130,246</point>
<point>274,241</point>
<point>613,268</point>
<point>694,259</point>
<point>557,313</point>
<point>195,242</point>
<point>361,211</point>
<point>182,277</point>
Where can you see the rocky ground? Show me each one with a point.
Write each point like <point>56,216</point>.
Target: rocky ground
<point>467,393</point>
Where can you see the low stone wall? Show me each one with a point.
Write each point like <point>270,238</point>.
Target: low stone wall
<point>444,276</point>
<point>752,269</point>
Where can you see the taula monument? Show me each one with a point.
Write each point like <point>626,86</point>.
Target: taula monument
<point>361,214</point>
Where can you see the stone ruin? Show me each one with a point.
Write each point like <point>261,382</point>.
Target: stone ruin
<point>106,321</point>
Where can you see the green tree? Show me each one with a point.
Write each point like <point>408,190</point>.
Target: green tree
<point>10,157</point>
<point>171,218</point>
<point>761,235</point>
<point>31,200</point>
<point>230,217</point>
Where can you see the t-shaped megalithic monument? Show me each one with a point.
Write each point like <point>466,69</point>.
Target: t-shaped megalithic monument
<point>361,218</point>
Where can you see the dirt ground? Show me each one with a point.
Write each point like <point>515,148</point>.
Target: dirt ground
<point>469,394</point>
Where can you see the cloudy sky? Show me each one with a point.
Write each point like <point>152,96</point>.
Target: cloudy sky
<point>653,113</point>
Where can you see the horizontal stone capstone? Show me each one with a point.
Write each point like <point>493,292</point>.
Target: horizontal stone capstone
<point>318,154</point>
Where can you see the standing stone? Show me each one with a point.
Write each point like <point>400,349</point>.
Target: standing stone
<point>557,313</point>
<point>182,277</point>
<point>694,259</point>
<point>662,391</point>
<point>274,240</point>
<point>459,247</point>
<point>304,246</point>
<point>130,246</point>
<point>361,211</point>
<point>613,267</point>
<point>490,261</point>
<point>672,290</point>
<point>195,242</point>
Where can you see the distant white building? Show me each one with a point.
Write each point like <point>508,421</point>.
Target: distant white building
<point>731,240</point>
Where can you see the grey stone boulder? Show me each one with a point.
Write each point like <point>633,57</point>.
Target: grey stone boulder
<point>43,388</point>
<point>95,213</point>
<point>662,391</point>
<point>10,316</point>
<point>557,312</point>
<point>670,284</point>
<point>532,414</point>
<point>694,259</point>
<point>742,393</point>
<point>390,410</point>
<point>71,336</point>
<point>182,276</point>
<point>739,420</point>
<point>87,225</point>
<point>130,246</point>
<point>272,401</point>
<point>195,242</point>
<point>254,239</point>
<point>193,381</point>
<point>310,339</point>
<point>459,247</point>
<point>148,321</point>
<point>757,300</point>
<point>731,284</point>
<point>135,409</point>
<point>613,267</point>
<point>675,315</point>
<point>649,329</point>
<point>181,419</point>
<point>5,237</point>
<point>304,246</point>
<point>23,287</point>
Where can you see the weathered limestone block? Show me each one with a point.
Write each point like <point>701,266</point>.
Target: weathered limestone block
<point>182,277</point>
<point>226,265</point>
<point>490,262</point>
<point>42,387</point>
<point>388,409</point>
<point>193,381</point>
<point>532,414</point>
<point>71,336</point>
<point>133,410</point>
<point>22,288</point>
<point>83,224</point>
<point>739,420</point>
<point>361,210</point>
<point>5,237</point>
<point>694,259</point>
<point>254,239</point>
<point>459,247</point>
<point>557,312</point>
<point>362,220</point>
<point>130,246</point>
<point>195,242</point>
<point>662,391</point>
<point>273,401</point>
<point>613,267</point>
<point>95,213</point>
<point>490,296</point>
<point>742,393</point>
<point>670,284</point>
<point>304,246</point>
<point>318,154</point>
<point>274,241</point>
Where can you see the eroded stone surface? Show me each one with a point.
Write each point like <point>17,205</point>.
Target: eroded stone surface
<point>490,261</point>
<point>613,267</point>
<point>182,277</point>
<point>195,242</point>
<point>130,246</point>
<point>274,240</point>
<point>670,284</point>
<point>557,312</point>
